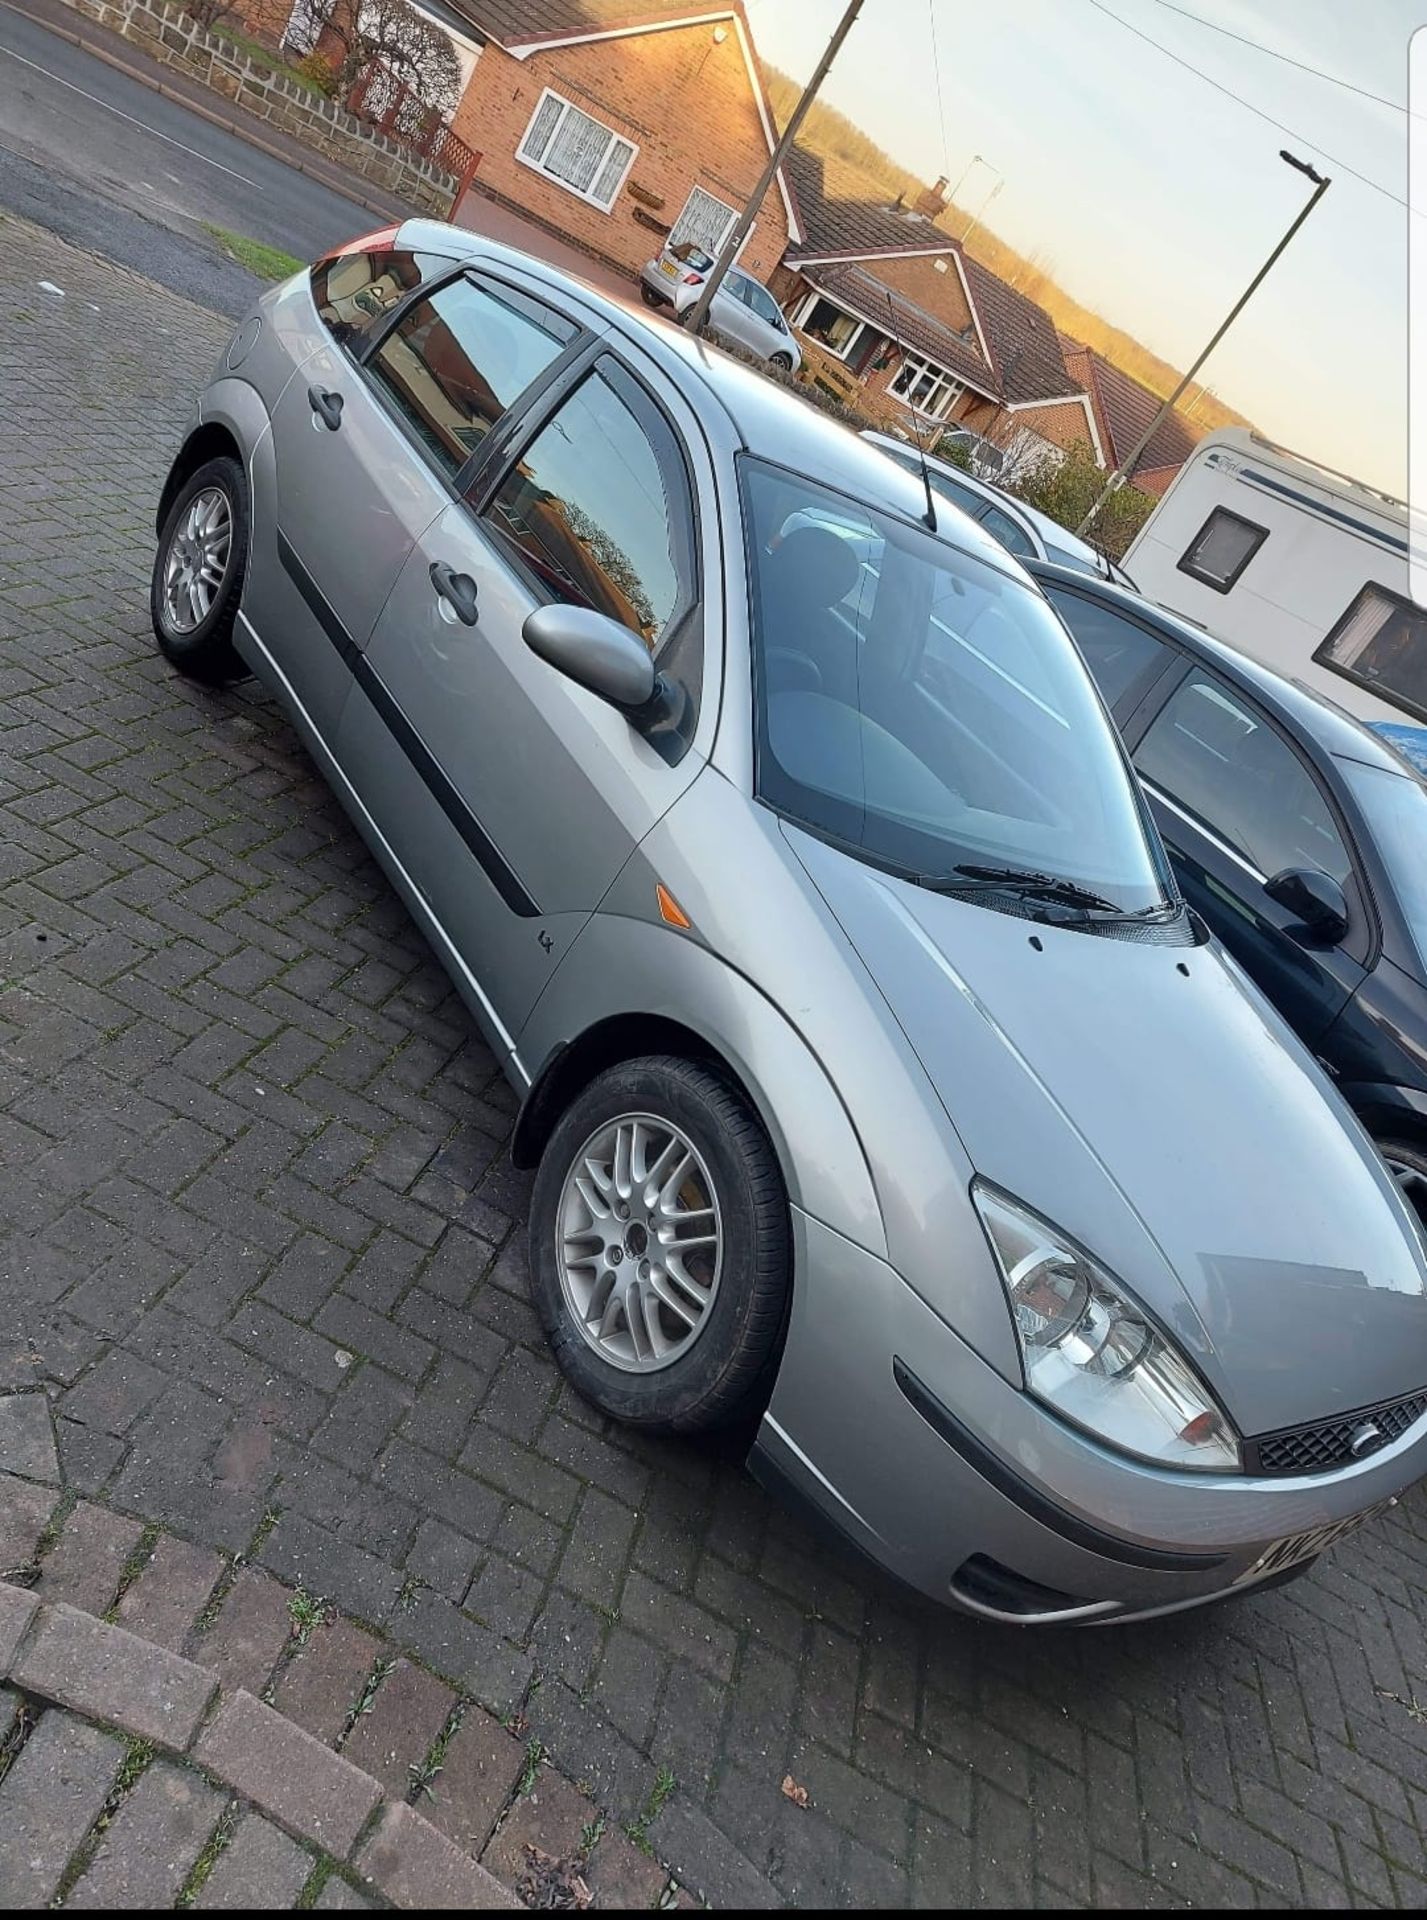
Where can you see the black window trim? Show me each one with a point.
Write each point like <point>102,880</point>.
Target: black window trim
<point>1185,562</point>
<point>1389,696</point>
<point>1362,944</point>
<point>575,346</point>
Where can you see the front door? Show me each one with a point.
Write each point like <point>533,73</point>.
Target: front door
<point>1236,805</point>
<point>517,796</point>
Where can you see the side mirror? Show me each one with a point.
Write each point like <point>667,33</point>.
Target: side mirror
<point>595,652</point>
<point>1316,898</point>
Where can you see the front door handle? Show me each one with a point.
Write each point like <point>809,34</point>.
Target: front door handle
<point>458,590</point>
<point>327,407</point>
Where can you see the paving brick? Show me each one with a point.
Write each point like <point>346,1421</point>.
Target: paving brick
<point>338,1897</point>
<point>321,1684</point>
<point>621,1877</point>
<point>311,1557</point>
<point>414,1865</point>
<point>83,1566</point>
<point>409,1711</point>
<point>259,1868</point>
<point>250,1630</point>
<point>111,1675</point>
<point>48,1801</point>
<point>27,1441</point>
<point>170,1592</point>
<point>553,1816</point>
<point>478,1774</point>
<point>150,1846</point>
<point>307,1789</point>
<point>17,1609</point>
<point>24,1512</point>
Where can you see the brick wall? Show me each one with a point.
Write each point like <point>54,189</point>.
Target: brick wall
<point>681,97</point>
<point>167,34</point>
<point>1062,425</point>
<point>939,294</point>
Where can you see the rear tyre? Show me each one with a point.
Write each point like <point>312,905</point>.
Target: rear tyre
<point>659,1246</point>
<point>650,297</point>
<point>198,573</point>
<point>1407,1163</point>
<point>782,361</point>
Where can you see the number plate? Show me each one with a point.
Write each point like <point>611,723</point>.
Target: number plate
<point>1306,1546</point>
<point>668,267</point>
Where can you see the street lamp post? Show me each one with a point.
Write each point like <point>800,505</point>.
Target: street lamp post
<point>1126,468</point>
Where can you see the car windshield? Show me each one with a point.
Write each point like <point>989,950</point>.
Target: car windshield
<point>1395,807</point>
<point>926,710</point>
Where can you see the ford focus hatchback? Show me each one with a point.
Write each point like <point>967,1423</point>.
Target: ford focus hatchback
<point>881,1088</point>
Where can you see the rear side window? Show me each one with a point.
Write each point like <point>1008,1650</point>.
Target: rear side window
<point>1221,549</point>
<point>598,508</point>
<point>355,290</point>
<point>1121,655</point>
<point>458,360</point>
<point>1009,532</point>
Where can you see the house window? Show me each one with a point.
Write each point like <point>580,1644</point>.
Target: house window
<point>927,387</point>
<point>1381,643</point>
<point>584,156</point>
<point>705,222</point>
<point>1221,549</point>
<point>839,332</point>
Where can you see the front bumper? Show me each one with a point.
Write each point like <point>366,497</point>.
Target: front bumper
<point>937,1468</point>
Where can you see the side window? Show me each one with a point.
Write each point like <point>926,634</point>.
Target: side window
<point>1009,532</point>
<point>967,498</point>
<point>1219,760</point>
<point>355,290</point>
<point>455,362</point>
<point>1221,549</point>
<point>1381,643</point>
<point>1121,655</point>
<point>763,304</point>
<point>598,507</point>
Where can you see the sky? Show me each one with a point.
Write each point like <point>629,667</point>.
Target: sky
<point>1151,197</point>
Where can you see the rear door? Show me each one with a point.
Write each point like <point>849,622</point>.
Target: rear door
<point>1236,804</point>
<point>369,446</point>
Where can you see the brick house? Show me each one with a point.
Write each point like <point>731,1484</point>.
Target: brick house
<point>895,315</point>
<point>1123,409</point>
<point>616,124</point>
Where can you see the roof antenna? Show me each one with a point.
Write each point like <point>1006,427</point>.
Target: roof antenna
<point>929,517</point>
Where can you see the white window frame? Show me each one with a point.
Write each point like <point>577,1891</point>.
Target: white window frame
<point>805,312</point>
<point>728,224</point>
<point>918,364</point>
<point>537,166</point>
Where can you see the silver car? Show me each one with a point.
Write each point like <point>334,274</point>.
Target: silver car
<point>880,1088</point>
<point>743,309</point>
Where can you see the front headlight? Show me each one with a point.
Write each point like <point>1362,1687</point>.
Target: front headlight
<point>1090,1352</point>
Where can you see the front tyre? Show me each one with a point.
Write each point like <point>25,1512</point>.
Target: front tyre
<point>659,1246</point>
<point>198,573</point>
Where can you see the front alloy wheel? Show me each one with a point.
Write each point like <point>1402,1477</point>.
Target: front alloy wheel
<point>659,1245</point>
<point>197,579</point>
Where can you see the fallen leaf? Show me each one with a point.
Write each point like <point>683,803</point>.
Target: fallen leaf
<point>792,1791</point>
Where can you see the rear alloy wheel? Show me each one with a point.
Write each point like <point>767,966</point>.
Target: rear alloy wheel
<point>198,573</point>
<point>1408,1166</point>
<point>659,1246</point>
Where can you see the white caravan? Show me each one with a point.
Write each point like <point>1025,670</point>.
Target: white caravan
<point>1298,566</point>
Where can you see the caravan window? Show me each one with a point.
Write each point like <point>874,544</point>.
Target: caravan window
<point>1381,643</point>
<point>1221,549</point>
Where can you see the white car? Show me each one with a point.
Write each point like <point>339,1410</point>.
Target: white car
<point>1022,530</point>
<point>743,309</point>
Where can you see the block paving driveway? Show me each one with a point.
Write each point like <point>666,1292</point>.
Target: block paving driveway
<point>256,1218</point>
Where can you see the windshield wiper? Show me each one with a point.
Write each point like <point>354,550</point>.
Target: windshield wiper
<point>1025,883</point>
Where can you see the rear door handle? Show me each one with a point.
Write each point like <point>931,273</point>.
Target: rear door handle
<point>327,407</point>
<point>458,590</point>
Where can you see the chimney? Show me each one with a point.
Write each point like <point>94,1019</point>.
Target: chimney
<point>932,200</point>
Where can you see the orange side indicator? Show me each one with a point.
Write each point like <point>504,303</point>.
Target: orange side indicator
<point>669,908</point>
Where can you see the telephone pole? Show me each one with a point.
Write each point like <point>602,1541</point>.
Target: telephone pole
<point>742,227</point>
<point>1126,468</point>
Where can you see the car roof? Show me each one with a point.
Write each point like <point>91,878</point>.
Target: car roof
<point>1308,713</point>
<point>769,420</point>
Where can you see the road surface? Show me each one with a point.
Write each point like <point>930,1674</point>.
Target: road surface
<point>115,168</point>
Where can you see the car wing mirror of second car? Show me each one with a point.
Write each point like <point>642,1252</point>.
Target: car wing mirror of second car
<point>1315,899</point>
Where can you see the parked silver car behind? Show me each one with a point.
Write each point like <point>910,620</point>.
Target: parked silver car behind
<point>878,1082</point>
<point>743,310</point>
